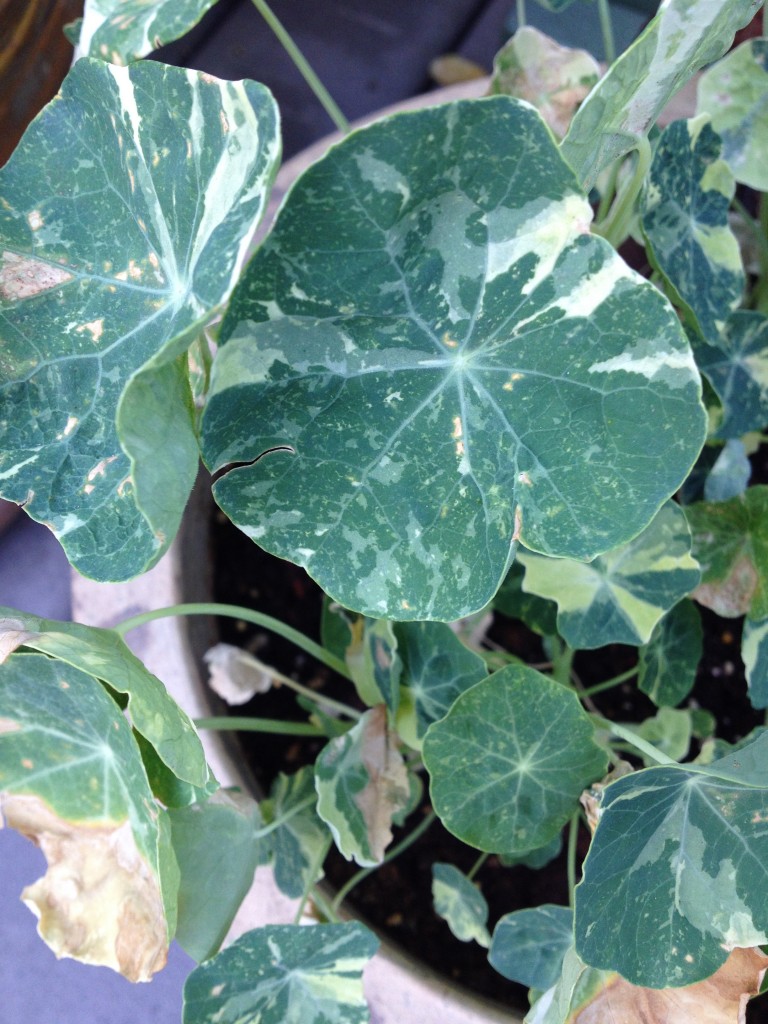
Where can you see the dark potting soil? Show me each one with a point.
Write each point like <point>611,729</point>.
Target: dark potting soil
<point>396,899</point>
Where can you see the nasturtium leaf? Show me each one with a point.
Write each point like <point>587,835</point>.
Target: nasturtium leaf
<point>72,779</point>
<point>730,541</point>
<point>104,655</point>
<point>508,762</point>
<point>553,78</point>
<point>735,94</point>
<point>217,852</point>
<point>620,596</point>
<point>444,359</point>
<point>536,612</point>
<point>121,31</point>
<point>754,654</point>
<point>374,662</point>
<point>667,663</point>
<point>529,945</point>
<point>437,668</point>
<point>679,861</point>
<point>461,904</point>
<point>109,266</point>
<point>737,368</point>
<point>361,784</point>
<point>284,973</point>
<point>670,730</point>
<point>299,839</point>
<point>684,215</point>
<point>685,35</point>
<point>536,858</point>
<point>730,474</point>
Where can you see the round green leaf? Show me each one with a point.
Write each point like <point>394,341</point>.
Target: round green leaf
<point>668,662</point>
<point>529,945</point>
<point>126,213</point>
<point>509,761</point>
<point>685,220</point>
<point>620,596</point>
<point>444,359</point>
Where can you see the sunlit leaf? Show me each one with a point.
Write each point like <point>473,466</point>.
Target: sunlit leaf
<point>127,209</point>
<point>620,596</point>
<point>684,36</point>
<point>72,780</point>
<point>461,904</point>
<point>684,214</point>
<point>284,973</point>
<point>529,945</point>
<point>509,760</point>
<point>438,356</point>
<point>735,94</point>
<point>679,861</point>
<point>668,662</point>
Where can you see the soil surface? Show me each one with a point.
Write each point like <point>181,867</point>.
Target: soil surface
<point>396,899</point>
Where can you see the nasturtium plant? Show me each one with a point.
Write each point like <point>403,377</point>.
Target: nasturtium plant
<point>440,357</point>
<point>440,388</point>
<point>118,257</point>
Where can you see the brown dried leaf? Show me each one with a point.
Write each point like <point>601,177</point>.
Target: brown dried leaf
<point>732,596</point>
<point>12,635</point>
<point>22,277</point>
<point>721,999</point>
<point>98,902</point>
<point>590,798</point>
<point>387,790</point>
<point>235,675</point>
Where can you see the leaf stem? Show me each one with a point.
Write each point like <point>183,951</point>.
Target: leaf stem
<point>302,805</point>
<point>615,227</point>
<point>606,27</point>
<point>562,661</point>
<point>324,905</point>
<point>315,866</point>
<point>247,615</point>
<point>395,851</point>
<point>631,737</point>
<point>622,677</point>
<point>302,65</point>
<point>522,21</point>
<point>477,865</point>
<point>233,723</point>
<point>573,835</point>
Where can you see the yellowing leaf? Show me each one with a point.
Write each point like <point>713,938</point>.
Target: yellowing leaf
<point>99,901</point>
<point>720,999</point>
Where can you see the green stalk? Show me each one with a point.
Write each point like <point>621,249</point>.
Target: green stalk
<point>317,863</point>
<point>521,18</point>
<point>573,835</point>
<point>477,865</point>
<point>302,805</point>
<point>589,691</point>
<point>231,723</point>
<point>562,663</point>
<point>395,851</point>
<point>324,905</point>
<point>606,27</point>
<point>615,227</point>
<point>631,737</point>
<point>302,65</point>
<point>247,615</point>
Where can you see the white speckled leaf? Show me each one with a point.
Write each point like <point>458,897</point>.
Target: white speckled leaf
<point>679,861</point>
<point>735,94</point>
<point>684,36</point>
<point>737,368</point>
<point>284,973</point>
<point>730,473</point>
<point>443,360</point>
<point>121,31</point>
<point>620,596</point>
<point>508,762</point>
<point>461,904</point>
<point>104,655</point>
<point>362,783</point>
<point>126,212</point>
<point>684,215</point>
<point>300,841</point>
<point>72,779</point>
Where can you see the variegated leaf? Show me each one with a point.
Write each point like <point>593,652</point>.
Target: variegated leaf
<point>121,31</point>
<point>361,784</point>
<point>300,839</point>
<point>684,215</point>
<point>737,368</point>
<point>754,653</point>
<point>284,973</point>
<point>684,36</point>
<point>679,861</point>
<point>529,945</point>
<point>72,780</point>
<point>104,655</point>
<point>620,596</point>
<point>461,904</point>
<point>126,213</point>
<point>438,354</point>
<point>528,741</point>
<point>735,94</point>
<point>730,473</point>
